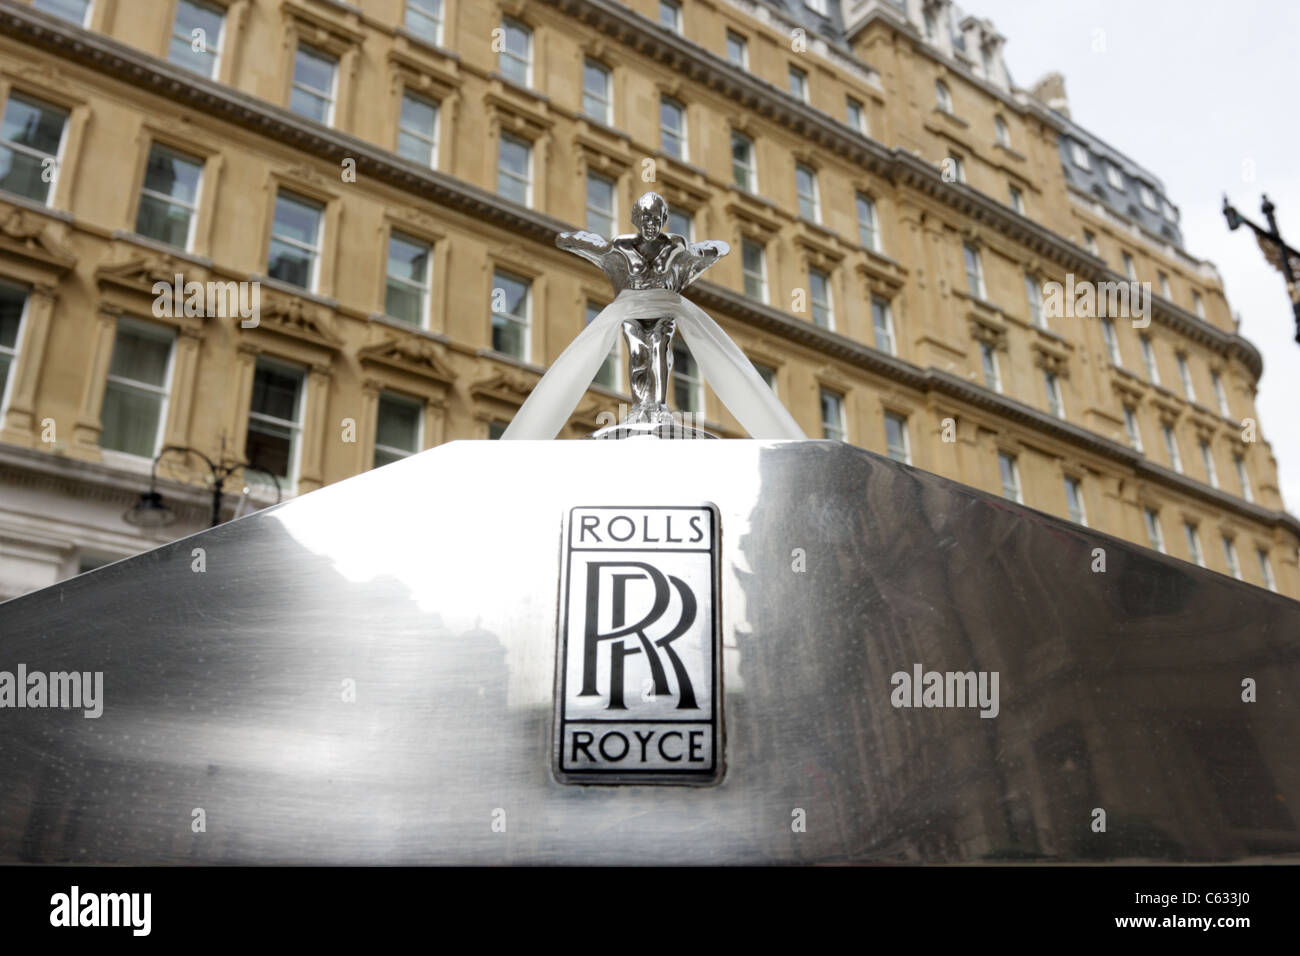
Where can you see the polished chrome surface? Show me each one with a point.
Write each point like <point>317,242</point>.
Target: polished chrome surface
<point>429,589</point>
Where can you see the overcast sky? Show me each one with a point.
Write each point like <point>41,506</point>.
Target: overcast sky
<point>1204,95</point>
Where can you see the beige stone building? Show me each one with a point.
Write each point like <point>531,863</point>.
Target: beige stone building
<point>391,174</point>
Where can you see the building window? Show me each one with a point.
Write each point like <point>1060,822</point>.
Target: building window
<point>931,26</point>
<point>294,256</point>
<point>1171,446</point>
<point>1207,462</point>
<point>397,428</point>
<point>1148,197</point>
<point>867,232</point>
<point>417,130</point>
<point>1009,471</point>
<point>1220,395</point>
<point>942,96</point>
<point>989,356</point>
<point>754,266</point>
<point>75,11</point>
<point>31,140</point>
<point>601,214</point>
<point>516,59</point>
<point>1149,360</point>
<point>883,321</point>
<point>1114,176</point>
<point>1074,500</point>
<point>832,415</point>
<point>1185,375</point>
<point>13,304</point>
<point>672,128</point>
<point>816,6</point>
<point>511,312</point>
<point>1243,479</point>
<point>315,76</point>
<point>670,15</point>
<point>275,419</point>
<point>1230,556</point>
<point>608,374</point>
<point>1132,427</point>
<point>805,182</point>
<point>135,397</point>
<point>767,374</point>
<point>743,173</point>
<point>515,169</point>
<point>688,386</point>
<point>1162,280</point>
<point>1198,304</point>
<point>974,270</point>
<point>737,50</point>
<point>798,80</point>
<point>1112,342</point>
<point>1079,153</point>
<point>681,222</point>
<point>819,295</point>
<point>169,197</point>
<point>1090,242</point>
<point>496,430</point>
<point>1266,569</point>
<point>1034,297</point>
<point>406,294</point>
<point>1017,199</point>
<point>855,115</point>
<point>1194,543</point>
<point>1154,534</point>
<point>595,91</point>
<point>1130,269</point>
<point>958,168</point>
<point>424,19</point>
<point>1001,131</point>
<point>1169,211</point>
<point>1053,387</point>
<point>897,445</point>
<point>196,36</point>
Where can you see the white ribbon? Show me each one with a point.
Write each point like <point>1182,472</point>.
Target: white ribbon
<point>721,362</point>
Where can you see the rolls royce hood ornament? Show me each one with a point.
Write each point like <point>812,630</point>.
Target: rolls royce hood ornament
<point>649,269</point>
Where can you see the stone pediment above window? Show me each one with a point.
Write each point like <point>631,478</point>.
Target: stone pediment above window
<point>817,251</point>
<point>297,319</point>
<point>984,328</point>
<point>518,111</point>
<point>323,31</point>
<point>1168,407</point>
<point>140,273</point>
<point>508,386</point>
<point>882,273</point>
<point>425,72</point>
<point>37,239</point>
<point>603,153</point>
<point>411,354</point>
<point>680,184</point>
<point>754,216</point>
<point>1051,358</point>
<point>1129,391</point>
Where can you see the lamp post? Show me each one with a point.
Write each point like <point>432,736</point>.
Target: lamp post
<point>151,512</point>
<point>1281,256</point>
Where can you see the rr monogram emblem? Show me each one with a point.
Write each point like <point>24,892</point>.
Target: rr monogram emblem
<point>639,668</point>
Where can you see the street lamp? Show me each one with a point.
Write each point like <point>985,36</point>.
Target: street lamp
<point>151,512</point>
<point>1279,255</point>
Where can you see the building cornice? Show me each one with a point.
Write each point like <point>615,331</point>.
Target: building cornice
<point>126,64</point>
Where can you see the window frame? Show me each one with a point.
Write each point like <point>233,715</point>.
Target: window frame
<point>840,426</point>
<point>430,138</point>
<point>425,289</point>
<point>747,243</point>
<point>52,186</point>
<point>317,250</point>
<point>1009,468</point>
<point>526,178</point>
<point>438,19</point>
<point>606,98</point>
<point>974,267</point>
<point>159,333</point>
<point>526,321</point>
<point>295,427</point>
<point>901,421</point>
<point>189,38</point>
<point>332,99</point>
<point>750,166</point>
<point>681,134</point>
<point>827,305</point>
<point>508,24</point>
<point>414,404</point>
<point>882,315</point>
<point>193,208</point>
<point>610,227</point>
<point>808,201</point>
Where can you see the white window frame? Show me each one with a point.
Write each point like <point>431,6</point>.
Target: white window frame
<point>901,420</point>
<point>508,24</point>
<point>1266,569</point>
<point>827,305</point>
<point>526,321</point>
<point>812,198</point>
<point>1133,427</point>
<point>1171,447</point>
<point>1016,199</point>
<point>1198,304</point>
<point>1115,176</point>
<point>295,427</point>
<point>29,151</point>
<point>855,113</point>
<point>1162,281</point>
<point>398,399</point>
<point>332,97</point>
<point>1243,478</point>
<point>611,213</point>
<point>1185,376</point>
<point>527,177</point>
<point>314,249</point>
<point>740,42</point>
<point>1148,197</point>
<point>1001,132</point>
<point>1111,339</point>
<point>1130,267</point>
<point>797,83</point>
<point>12,352</point>
<point>989,363</point>
<point>85,17</point>
<point>191,208</point>
<point>832,430</point>
<point>1074,503</point>
<point>958,167</point>
<point>1149,359</point>
<point>1230,556</point>
<point>694,383</point>
<point>943,96</point>
<point>974,267</point>
<point>423,289</point>
<point>422,10</point>
<point>675,10</point>
<point>1220,394</point>
<point>213,48</point>
<point>750,167</point>
<point>1207,462</point>
<point>1079,154</point>
<point>681,134</point>
<point>431,138</point>
<point>1155,534</point>
<point>163,392</point>
<point>1017,489</point>
<point>880,309</point>
<point>871,225</point>
<point>747,274</point>
<point>1055,400</point>
<point>1034,301</point>
<point>605,98</point>
<point>1194,549</point>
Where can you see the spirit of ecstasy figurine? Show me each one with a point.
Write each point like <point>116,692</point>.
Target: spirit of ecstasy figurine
<point>648,269</point>
<point>649,258</point>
